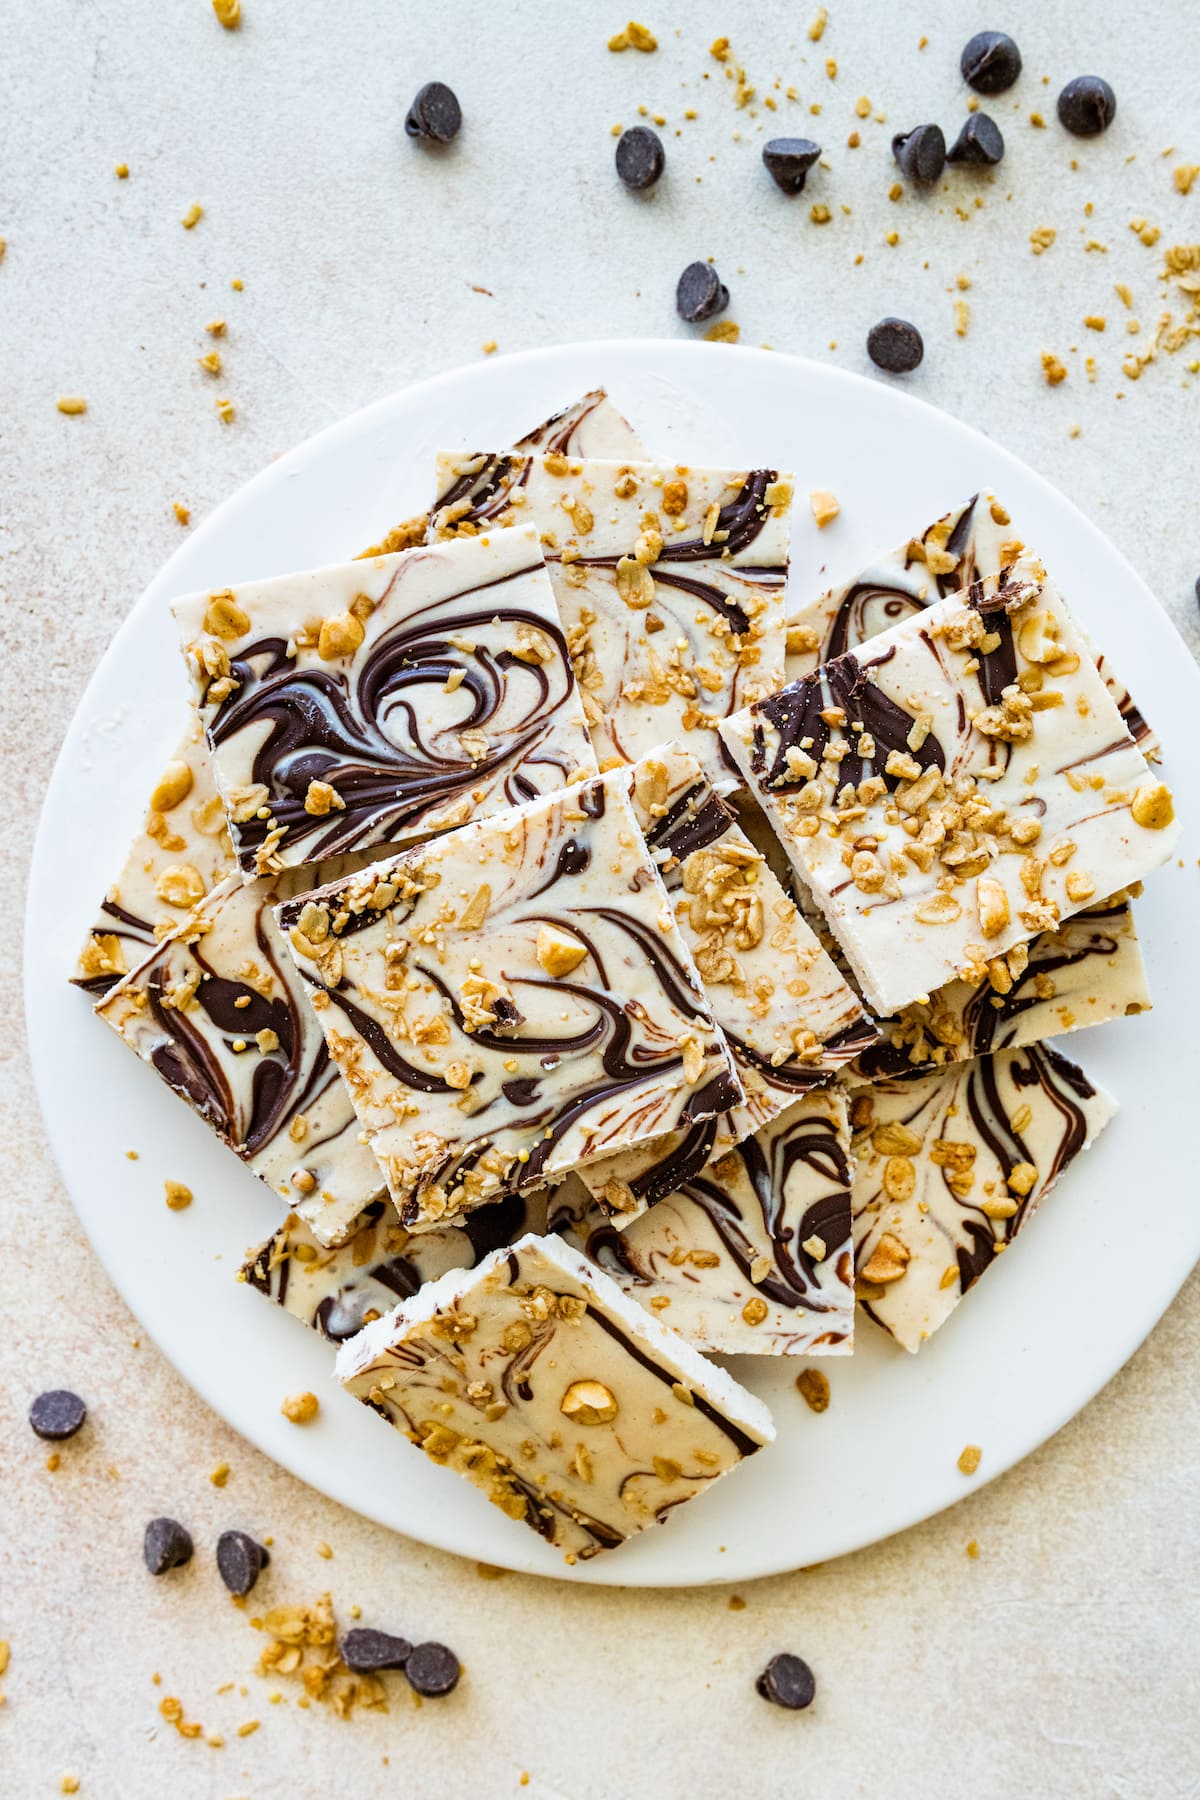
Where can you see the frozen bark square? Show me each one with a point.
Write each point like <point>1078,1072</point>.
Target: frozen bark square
<point>378,701</point>
<point>961,784</point>
<point>669,579</point>
<point>569,1407</point>
<point>511,1000</point>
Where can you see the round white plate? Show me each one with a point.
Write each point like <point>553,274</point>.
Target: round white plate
<point>1054,1320</point>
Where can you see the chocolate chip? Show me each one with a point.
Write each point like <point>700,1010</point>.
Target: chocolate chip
<point>979,141</point>
<point>641,158</point>
<point>432,1670</point>
<point>990,63</point>
<point>57,1414</point>
<point>166,1545</point>
<point>366,1651</point>
<point>240,1560</point>
<point>435,114</point>
<point>788,161</point>
<point>1087,106</point>
<point>895,345</point>
<point>921,153</point>
<point>787,1681</point>
<point>701,293</point>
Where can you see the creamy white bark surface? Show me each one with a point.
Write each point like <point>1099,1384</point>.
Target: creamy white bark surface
<point>1086,972</point>
<point>565,1403</point>
<point>972,543</point>
<point>753,1255</point>
<point>377,701</point>
<point>669,580</point>
<point>338,1289</point>
<point>182,851</point>
<point>511,1000</point>
<point>220,1013</point>
<point>949,1167</point>
<point>590,426</point>
<point>960,785</point>
<point>790,1019</point>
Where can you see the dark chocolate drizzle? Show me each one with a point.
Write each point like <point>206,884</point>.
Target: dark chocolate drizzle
<point>365,739</point>
<point>795,712</point>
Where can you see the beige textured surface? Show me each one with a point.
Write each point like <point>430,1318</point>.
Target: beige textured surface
<point>1064,1660</point>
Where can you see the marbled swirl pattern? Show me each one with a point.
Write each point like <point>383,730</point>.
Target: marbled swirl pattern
<point>378,701</point>
<point>753,1254</point>
<point>669,580</point>
<point>1088,971</point>
<point>337,1290</point>
<point>219,1012</point>
<point>955,788</point>
<point>965,549</point>
<point>950,1167</point>
<point>510,1001</point>
<point>789,1018</point>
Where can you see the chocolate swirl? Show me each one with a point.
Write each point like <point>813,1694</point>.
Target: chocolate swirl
<point>795,713</point>
<point>367,732</point>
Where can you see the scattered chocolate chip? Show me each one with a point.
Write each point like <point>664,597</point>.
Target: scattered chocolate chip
<point>166,1545</point>
<point>366,1651</point>
<point>57,1414</point>
<point>990,63</point>
<point>895,345</point>
<point>788,161</point>
<point>641,158</point>
<point>432,1670</point>
<point>701,293</point>
<point>979,141</point>
<point>1087,106</point>
<point>787,1681</point>
<point>435,114</point>
<point>240,1560</point>
<point>921,153</point>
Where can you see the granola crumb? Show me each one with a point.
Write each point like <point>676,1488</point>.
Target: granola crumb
<point>122,171</point>
<point>183,514</point>
<point>736,1603</point>
<point>71,404</point>
<point>825,507</point>
<point>229,13</point>
<point>634,37</point>
<point>962,318</point>
<point>816,30</point>
<point>53,1462</point>
<point>968,1460</point>
<point>813,1386</point>
<point>226,412</point>
<point>177,1195</point>
<point>300,1408</point>
<point>237,284</point>
<point>1041,238</point>
<point>489,347</point>
<point>210,363</point>
<point>973,1550</point>
<point>220,1475</point>
<point>69,1784</point>
<point>724,331</point>
<point>1053,370</point>
<point>1095,321</point>
<point>1184,176</point>
<point>192,216</point>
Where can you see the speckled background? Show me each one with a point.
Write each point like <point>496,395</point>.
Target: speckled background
<point>1063,1660</point>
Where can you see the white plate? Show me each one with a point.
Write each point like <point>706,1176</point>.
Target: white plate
<point>1053,1321</point>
